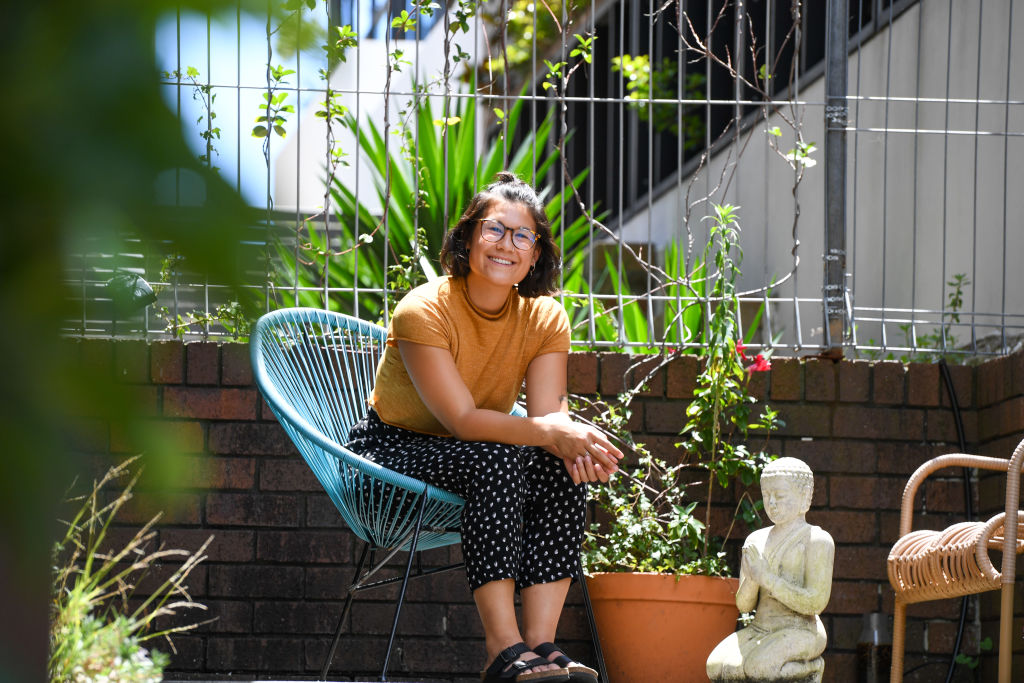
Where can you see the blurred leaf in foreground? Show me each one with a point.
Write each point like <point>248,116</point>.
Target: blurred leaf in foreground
<point>88,142</point>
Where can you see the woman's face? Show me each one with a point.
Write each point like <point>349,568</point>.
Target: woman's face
<point>502,263</point>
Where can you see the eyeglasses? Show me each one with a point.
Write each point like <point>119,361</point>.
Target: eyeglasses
<point>494,231</point>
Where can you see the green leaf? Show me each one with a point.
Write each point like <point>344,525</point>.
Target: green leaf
<point>259,132</point>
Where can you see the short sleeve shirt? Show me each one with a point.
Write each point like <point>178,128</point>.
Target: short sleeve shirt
<point>491,350</point>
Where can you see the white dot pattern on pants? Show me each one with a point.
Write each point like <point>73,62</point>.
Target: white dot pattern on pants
<point>524,516</point>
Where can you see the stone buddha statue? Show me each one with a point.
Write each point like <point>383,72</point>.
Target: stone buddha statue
<point>786,573</point>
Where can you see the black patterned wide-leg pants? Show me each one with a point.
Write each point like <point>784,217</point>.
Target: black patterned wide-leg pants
<point>524,516</point>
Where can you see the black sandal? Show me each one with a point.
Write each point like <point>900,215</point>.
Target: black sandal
<point>508,667</point>
<point>578,673</point>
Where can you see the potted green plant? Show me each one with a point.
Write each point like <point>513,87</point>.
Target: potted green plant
<point>657,566</point>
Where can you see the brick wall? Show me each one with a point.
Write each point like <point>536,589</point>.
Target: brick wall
<point>281,558</point>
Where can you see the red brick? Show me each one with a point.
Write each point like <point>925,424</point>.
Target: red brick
<point>934,609</point>
<point>303,546</point>
<point>253,510</point>
<point>681,377</point>
<point>330,583</point>
<point>229,616</point>
<point>806,420</point>
<point>236,369</point>
<point>180,436</point>
<point>216,473</point>
<point>847,526</point>
<point>176,508</point>
<point>833,455</point>
<point>291,617</point>
<point>465,620</point>
<point>255,581</point>
<point>582,372</point>
<point>820,380</point>
<point>840,667</point>
<point>210,403</point>
<point>853,597</point>
<point>1016,363</point>
<point>321,512</point>
<point>786,379</point>
<point>923,384</point>
<point>445,587</point>
<point>942,427</point>
<point>1002,447</point>
<point>889,377</point>
<point>360,656</point>
<point>904,458</point>
<point>613,370</point>
<point>757,385</point>
<point>878,423</point>
<point>860,562</point>
<point>635,423</point>
<point>661,417</point>
<point>942,495</point>
<point>203,363</point>
<point>131,362</point>
<point>166,362</point>
<point>854,381</point>
<point>226,546</point>
<point>962,377</point>
<point>292,474</point>
<point>159,573</point>
<point>254,654</point>
<point>871,492</point>
<point>429,655</point>
<point>845,630</point>
<point>249,438</point>
<point>660,446</point>
<point>424,619</point>
<point>1002,419</point>
<point>266,413</point>
<point>995,381</point>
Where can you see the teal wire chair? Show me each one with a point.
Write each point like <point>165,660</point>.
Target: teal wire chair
<point>316,369</point>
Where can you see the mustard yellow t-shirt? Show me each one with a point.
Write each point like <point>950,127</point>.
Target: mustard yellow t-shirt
<point>491,350</point>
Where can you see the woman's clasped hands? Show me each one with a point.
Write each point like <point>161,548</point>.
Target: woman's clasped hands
<point>586,451</point>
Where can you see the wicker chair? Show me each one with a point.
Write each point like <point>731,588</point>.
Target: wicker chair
<point>933,565</point>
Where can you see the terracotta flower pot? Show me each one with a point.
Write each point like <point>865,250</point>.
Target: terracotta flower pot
<point>655,629</point>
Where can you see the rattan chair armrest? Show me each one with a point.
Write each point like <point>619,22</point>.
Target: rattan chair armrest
<point>932,466</point>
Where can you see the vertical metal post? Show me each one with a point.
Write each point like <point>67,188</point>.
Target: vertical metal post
<point>836,115</point>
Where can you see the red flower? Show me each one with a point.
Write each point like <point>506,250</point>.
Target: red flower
<point>760,364</point>
<point>740,348</point>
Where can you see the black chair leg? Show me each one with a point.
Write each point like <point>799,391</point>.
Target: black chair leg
<point>593,626</point>
<point>401,593</point>
<point>344,612</point>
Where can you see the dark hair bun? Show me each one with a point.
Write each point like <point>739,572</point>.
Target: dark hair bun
<point>506,177</point>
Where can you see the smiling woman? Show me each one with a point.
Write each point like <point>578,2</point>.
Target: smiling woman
<point>458,351</point>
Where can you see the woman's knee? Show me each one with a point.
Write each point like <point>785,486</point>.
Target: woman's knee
<point>496,462</point>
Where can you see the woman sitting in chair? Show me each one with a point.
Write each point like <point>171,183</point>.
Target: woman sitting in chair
<point>458,350</point>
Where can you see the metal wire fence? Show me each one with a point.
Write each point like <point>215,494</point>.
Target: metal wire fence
<point>869,146</point>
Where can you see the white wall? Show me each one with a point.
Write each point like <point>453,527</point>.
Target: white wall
<point>300,168</point>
